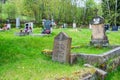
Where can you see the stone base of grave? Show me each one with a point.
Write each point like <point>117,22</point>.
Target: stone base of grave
<point>99,42</point>
<point>40,34</point>
<point>22,33</point>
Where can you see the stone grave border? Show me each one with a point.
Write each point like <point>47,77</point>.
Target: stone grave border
<point>104,61</point>
<point>93,58</point>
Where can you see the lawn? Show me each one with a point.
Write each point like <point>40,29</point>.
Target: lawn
<point>21,57</point>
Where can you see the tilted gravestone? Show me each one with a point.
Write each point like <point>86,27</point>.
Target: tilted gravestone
<point>62,47</point>
<point>98,37</point>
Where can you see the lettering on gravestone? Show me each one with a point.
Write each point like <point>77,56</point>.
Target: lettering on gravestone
<point>62,46</point>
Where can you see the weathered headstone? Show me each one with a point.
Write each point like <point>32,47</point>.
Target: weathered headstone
<point>62,47</point>
<point>99,37</point>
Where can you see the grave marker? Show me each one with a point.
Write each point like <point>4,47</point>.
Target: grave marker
<point>62,46</point>
<point>99,37</point>
<point>17,22</point>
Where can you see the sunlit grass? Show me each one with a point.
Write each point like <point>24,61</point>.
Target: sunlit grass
<point>21,57</point>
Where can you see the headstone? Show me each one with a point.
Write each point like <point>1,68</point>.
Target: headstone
<point>119,27</point>
<point>62,47</point>
<point>74,25</point>
<point>17,22</point>
<point>107,26</point>
<point>114,28</point>
<point>43,21</point>
<point>90,26</point>
<point>47,27</point>
<point>64,25</point>
<point>99,37</point>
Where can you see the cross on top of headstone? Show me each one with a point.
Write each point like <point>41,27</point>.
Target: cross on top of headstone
<point>96,12</point>
<point>97,19</point>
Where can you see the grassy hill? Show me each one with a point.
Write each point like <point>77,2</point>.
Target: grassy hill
<point>21,57</point>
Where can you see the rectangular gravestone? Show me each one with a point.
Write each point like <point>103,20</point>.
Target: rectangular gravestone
<point>98,31</point>
<point>17,22</point>
<point>62,47</point>
<point>114,28</point>
<point>74,25</point>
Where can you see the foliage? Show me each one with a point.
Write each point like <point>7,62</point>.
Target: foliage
<point>111,10</point>
<point>9,9</point>
<point>62,11</point>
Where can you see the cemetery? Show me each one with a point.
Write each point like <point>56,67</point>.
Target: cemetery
<point>26,50</point>
<point>59,40</point>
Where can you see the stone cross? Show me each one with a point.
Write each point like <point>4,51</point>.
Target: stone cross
<point>96,12</point>
<point>62,47</point>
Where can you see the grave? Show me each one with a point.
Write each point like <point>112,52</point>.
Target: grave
<point>114,28</point>
<point>107,26</point>
<point>27,30</point>
<point>18,22</point>
<point>98,37</point>
<point>64,25</point>
<point>29,26</point>
<point>74,25</point>
<point>47,24</point>
<point>62,47</point>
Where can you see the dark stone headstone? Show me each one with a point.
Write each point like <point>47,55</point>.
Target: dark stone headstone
<point>47,27</point>
<point>107,26</point>
<point>114,28</point>
<point>62,47</point>
<point>47,24</point>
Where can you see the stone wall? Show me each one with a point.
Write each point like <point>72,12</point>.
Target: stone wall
<point>93,58</point>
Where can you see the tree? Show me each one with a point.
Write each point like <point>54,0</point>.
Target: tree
<point>9,9</point>
<point>111,11</point>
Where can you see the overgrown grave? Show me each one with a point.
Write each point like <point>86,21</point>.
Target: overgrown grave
<point>106,61</point>
<point>62,53</point>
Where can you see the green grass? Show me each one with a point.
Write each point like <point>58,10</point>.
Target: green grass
<point>21,57</point>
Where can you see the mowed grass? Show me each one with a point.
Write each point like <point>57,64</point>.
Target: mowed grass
<point>21,57</point>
